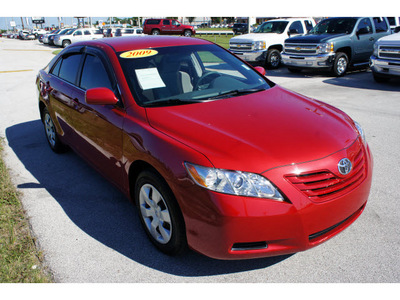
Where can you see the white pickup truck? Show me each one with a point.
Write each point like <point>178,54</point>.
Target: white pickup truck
<point>266,43</point>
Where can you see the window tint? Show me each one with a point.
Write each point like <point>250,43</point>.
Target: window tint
<point>56,68</point>
<point>165,22</point>
<point>70,67</point>
<point>87,32</point>
<point>365,23</point>
<point>296,26</point>
<point>94,74</point>
<point>78,32</point>
<point>308,24</point>
<point>380,25</point>
<point>152,22</point>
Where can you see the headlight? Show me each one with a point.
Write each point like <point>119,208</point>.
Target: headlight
<point>325,48</point>
<point>259,45</point>
<point>376,50</point>
<point>233,182</point>
<point>360,131</point>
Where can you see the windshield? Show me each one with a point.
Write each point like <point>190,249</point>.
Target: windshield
<point>187,74</point>
<point>272,27</point>
<point>335,26</point>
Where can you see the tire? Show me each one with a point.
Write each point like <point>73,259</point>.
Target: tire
<point>159,213</point>
<point>155,32</point>
<point>51,133</point>
<point>187,33</point>
<point>340,64</point>
<point>273,59</point>
<point>66,43</point>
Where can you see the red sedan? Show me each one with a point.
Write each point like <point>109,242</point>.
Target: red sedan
<point>215,156</point>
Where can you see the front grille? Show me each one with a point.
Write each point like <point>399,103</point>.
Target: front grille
<point>323,185</point>
<point>391,52</point>
<point>241,46</point>
<point>302,49</point>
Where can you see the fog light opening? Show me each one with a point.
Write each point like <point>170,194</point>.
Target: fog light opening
<point>249,246</point>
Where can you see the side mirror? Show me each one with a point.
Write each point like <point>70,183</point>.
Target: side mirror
<point>397,29</point>
<point>260,70</point>
<point>100,96</point>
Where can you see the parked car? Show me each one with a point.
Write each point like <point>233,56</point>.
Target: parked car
<point>109,32</point>
<point>76,35</point>
<point>266,43</point>
<point>51,37</point>
<point>335,44</point>
<point>167,26</point>
<point>26,35</point>
<point>394,23</point>
<point>46,36</point>
<point>129,31</point>
<point>270,177</point>
<point>385,60</point>
<point>240,28</point>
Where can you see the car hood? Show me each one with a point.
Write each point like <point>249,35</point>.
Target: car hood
<point>390,39</point>
<point>314,38</point>
<point>257,132</point>
<point>248,38</point>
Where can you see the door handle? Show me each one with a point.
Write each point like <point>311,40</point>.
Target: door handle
<point>371,39</point>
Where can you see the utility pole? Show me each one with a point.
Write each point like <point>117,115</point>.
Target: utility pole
<point>22,21</point>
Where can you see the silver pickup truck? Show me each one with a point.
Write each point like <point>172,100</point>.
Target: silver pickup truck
<point>385,61</point>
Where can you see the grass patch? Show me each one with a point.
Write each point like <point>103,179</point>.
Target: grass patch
<point>20,260</point>
<point>222,40</point>
<point>55,52</point>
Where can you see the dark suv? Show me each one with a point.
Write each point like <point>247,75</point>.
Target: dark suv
<point>240,28</point>
<point>167,26</point>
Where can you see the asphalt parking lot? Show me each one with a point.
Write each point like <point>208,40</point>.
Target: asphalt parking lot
<point>89,232</point>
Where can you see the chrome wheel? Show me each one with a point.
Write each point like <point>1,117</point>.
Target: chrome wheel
<point>341,65</point>
<point>50,130</point>
<point>155,213</point>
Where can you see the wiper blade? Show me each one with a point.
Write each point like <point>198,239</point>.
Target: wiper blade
<point>169,102</point>
<point>236,93</point>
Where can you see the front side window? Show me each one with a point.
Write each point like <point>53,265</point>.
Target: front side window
<point>94,74</point>
<point>365,26</point>
<point>165,22</point>
<point>273,27</point>
<point>187,74</point>
<point>69,67</point>
<point>175,23</point>
<point>78,32</point>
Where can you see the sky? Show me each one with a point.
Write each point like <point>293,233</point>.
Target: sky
<point>197,8</point>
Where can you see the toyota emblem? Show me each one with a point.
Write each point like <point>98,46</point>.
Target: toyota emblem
<point>344,166</point>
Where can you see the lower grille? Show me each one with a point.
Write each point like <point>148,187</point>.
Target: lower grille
<point>249,246</point>
<point>323,185</point>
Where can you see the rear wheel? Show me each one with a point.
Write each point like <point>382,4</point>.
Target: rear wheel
<point>51,133</point>
<point>155,32</point>
<point>159,213</point>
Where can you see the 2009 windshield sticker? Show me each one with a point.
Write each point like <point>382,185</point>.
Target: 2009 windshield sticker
<point>138,53</point>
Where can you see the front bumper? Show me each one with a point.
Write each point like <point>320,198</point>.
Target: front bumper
<point>232,227</point>
<point>308,61</point>
<point>385,67</point>
<point>251,56</point>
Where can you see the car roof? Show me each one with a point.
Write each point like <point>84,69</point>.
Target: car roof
<point>143,42</point>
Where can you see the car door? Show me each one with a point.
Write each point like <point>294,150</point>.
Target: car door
<point>60,90</point>
<point>78,35</point>
<point>364,40</point>
<point>175,27</point>
<point>166,27</point>
<point>99,126</point>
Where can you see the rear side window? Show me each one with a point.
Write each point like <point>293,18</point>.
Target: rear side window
<point>165,22</point>
<point>152,22</point>
<point>296,26</point>
<point>94,74</point>
<point>308,24</point>
<point>69,67</point>
<point>380,24</point>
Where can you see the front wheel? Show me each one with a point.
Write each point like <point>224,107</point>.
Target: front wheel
<point>273,59</point>
<point>188,33</point>
<point>66,43</point>
<point>159,213</point>
<point>340,64</point>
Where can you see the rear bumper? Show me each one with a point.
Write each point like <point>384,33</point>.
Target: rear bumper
<point>232,227</point>
<point>308,61</point>
<point>385,67</point>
